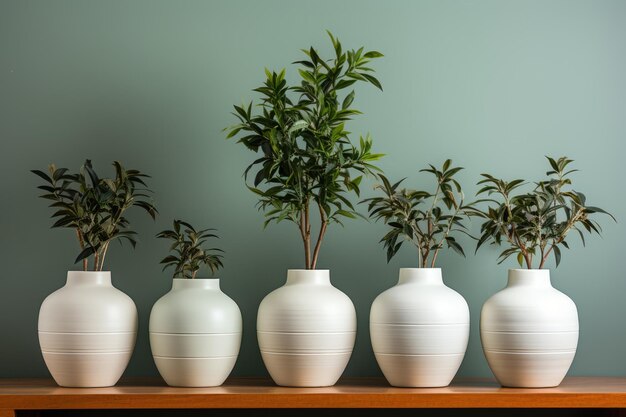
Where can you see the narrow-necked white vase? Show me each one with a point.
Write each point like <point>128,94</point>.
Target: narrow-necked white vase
<point>306,330</point>
<point>529,331</point>
<point>87,331</point>
<point>195,333</point>
<point>419,330</point>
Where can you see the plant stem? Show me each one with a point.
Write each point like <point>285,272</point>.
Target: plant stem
<point>320,237</point>
<point>81,241</point>
<point>105,248</point>
<point>306,235</point>
<point>96,258</point>
<point>445,235</point>
<point>555,242</point>
<point>545,258</point>
<point>419,255</point>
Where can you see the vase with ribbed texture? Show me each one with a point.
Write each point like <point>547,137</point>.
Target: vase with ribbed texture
<point>306,330</point>
<point>529,331</point>
<point>195,333</point>
<point>87,331</point>
<point>419,330</point>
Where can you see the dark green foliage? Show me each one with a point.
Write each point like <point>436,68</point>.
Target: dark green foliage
<point>95,206</point>
<point>306,155</point>
<point>428,220</point>
<point>189,255</point>
<point>536,223</point>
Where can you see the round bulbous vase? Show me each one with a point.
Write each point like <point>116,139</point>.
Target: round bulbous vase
<point>419,330</point>
<point>529,331</point>
<point>87,331</point>
<point>306,330</point>
<point>195,333</point>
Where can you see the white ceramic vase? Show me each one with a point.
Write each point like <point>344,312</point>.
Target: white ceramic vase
<point>419,330</point>
<point>87,331</point>
<point>306,330</point>
<point>195,333</point>
<point>529,331</point>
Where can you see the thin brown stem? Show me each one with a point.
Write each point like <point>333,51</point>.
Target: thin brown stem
<point>81,241</point>
<point>544,258</point>
<point>105,248</point>
<point>543,255</point>
<point>320,237</point>
<point>96,258</point>
<point>555,242</point>
<point>445,234</point>
<point>305,230</point>
<point>514,239</point>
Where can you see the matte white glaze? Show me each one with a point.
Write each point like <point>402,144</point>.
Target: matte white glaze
<point>195,333</point>
<point>87,331</point>
<point>306,330</point>
<point>529,331</point>
<point>419,330</point>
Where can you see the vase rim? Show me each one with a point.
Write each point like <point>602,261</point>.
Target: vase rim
<point>420,276</point>
<point>196,279</point>
<point>529,269</point>
<point>529,277</point>
<point>308,276</point>
<point>196,283</point>
<point>421,269</point>
<point>88,278</point>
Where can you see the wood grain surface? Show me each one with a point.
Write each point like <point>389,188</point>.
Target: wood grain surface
<point>152,393</point>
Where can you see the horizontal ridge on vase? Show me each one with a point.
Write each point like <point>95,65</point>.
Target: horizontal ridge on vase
<point>195,333</point>
<point>419,330</point>
<point>87,331</point>
<point>306,330</point>
<point>529,331</point>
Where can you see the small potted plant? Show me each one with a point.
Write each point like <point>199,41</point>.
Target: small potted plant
<point>529,330</point>
<point>87,329</point>
<point>420,327</point>
<point>307,166</point>
<point>195,329</point>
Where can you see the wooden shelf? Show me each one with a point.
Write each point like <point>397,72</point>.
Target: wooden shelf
<point>43,394</point>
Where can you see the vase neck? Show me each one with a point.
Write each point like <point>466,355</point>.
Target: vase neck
<point>196,283</point>
<point>529,278</point>
<point>75,278</point>
<point>429,276</point>
<point>308,276</point>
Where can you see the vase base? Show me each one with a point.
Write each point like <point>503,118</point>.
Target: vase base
<point>305,370</point>
<point>530,370</point>
<point>419,371</point>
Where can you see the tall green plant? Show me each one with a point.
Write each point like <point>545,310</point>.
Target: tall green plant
<point>307,160</point>
<point>189,255</point>
<point>536,223</point>
<point>94,207</point>
<point>429,220</point>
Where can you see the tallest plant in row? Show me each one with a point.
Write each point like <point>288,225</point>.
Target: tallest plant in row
<point>308,163</point>
<point>307,167</point>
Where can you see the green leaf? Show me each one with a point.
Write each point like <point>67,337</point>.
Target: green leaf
<point>455,246</point>
<point>373,54</point>
<point>85,253</point>
<point>557,255</point>
<point>42,175</point>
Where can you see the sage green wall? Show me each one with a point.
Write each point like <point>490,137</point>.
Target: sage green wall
<point>494,85</point>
